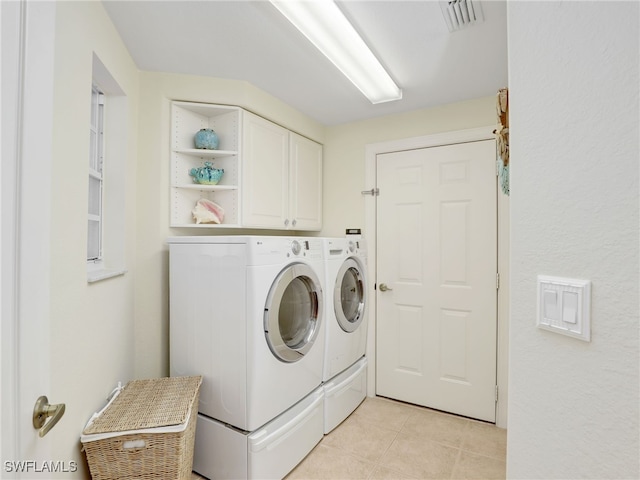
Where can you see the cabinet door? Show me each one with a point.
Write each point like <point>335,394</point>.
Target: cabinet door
<point>265,174</point>
<point>305,185</point>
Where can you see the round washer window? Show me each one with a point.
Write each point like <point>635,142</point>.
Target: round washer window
<point>293,312</point>
<point>349,296</point>
<point>296,308</point>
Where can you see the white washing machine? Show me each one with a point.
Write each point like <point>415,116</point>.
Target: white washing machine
<point>247,313</point>
<point>345,366</point>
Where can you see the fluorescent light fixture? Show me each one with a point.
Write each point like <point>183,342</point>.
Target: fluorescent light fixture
<point>322,22</point>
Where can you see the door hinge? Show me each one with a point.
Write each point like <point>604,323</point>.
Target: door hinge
<point>496,393</point>
<point>497,281</point>
<point>374,192</point>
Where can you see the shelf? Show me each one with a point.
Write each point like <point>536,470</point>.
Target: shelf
<point>206,109</point>
<point>205,225</point>
<point>200,152</point>
<point>199,186</point>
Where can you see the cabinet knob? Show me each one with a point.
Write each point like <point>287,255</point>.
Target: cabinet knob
<point>286,222</point>
<point>293,223</point>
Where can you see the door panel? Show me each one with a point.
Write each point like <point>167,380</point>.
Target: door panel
<point>437,252</point>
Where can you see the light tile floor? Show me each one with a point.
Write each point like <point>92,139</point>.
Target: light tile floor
<point>385,439</point>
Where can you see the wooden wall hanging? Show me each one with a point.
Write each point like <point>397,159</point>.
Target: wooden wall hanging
<point>502,138</point>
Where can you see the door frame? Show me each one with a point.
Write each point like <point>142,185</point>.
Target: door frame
<point>27,135</point>
<point>372,150</point>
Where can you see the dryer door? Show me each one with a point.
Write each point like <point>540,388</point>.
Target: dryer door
<point>349,295</point>
<point>293,312</point>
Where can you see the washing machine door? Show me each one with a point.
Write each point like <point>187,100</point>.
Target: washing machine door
<point>293,312</point>
<point>349,295</point>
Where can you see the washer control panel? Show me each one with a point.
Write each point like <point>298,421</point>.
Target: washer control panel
<point>310,248</point>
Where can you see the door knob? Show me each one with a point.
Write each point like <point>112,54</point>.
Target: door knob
<point>42,411</point>
<point>384,288</point>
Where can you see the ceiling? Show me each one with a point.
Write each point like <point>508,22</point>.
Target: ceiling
<point>252,41</point>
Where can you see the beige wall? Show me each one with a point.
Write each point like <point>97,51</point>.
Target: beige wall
<point>92,342</point>
<point>344,153</point>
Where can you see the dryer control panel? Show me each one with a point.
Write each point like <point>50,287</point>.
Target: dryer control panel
<point>296,247</point>
<point>356,247</point>
<point>309,248</point>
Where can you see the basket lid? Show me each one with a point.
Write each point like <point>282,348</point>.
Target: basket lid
<point>151,403</point>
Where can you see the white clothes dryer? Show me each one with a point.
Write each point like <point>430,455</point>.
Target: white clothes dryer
<point>345,367</point>
<point>247,313</point>
<point>346,304</point>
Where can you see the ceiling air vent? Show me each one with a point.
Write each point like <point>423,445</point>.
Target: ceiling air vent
<point>461,13</point>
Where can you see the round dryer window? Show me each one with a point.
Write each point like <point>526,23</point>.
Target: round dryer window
<point>293,312</point>
<point>349,295</point>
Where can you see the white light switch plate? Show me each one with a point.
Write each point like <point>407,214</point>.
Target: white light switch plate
<point>564,306</point>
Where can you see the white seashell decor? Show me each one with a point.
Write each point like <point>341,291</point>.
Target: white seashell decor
<point>207,211</point>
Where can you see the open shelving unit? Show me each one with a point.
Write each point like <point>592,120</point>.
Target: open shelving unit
<point>187,119</point>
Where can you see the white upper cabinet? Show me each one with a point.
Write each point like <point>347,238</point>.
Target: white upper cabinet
<point>266,173</point>
<point>305,183</point>
<point>282,179</point>
<point>272,177</point>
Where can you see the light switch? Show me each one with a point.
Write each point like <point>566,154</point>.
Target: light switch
<point>551,304</point>
<point>564,306</point>
<point>569,307</point>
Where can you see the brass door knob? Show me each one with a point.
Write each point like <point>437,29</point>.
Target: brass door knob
<point>42,411</point>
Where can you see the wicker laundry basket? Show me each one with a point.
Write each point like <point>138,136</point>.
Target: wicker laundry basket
<point>145,432</point>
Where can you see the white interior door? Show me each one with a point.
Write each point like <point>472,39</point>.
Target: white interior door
<point>436,273</point>
<point>27,120</point>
